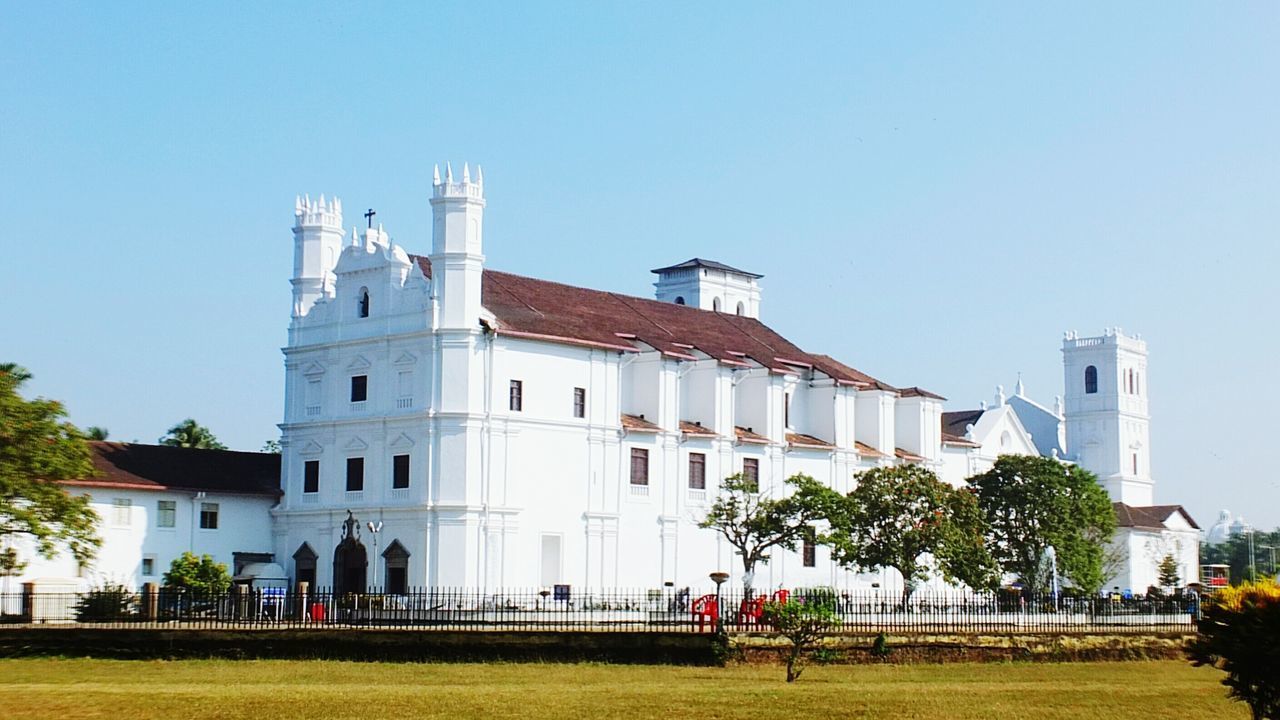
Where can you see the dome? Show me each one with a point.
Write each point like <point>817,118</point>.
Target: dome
<point>1221,530</point>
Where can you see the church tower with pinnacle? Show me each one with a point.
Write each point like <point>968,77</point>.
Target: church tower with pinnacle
<point>1108,424</point>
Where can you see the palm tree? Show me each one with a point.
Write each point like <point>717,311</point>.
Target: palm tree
<point>191,434</point>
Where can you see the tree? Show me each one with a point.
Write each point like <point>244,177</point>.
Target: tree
<point>1239,633</point>
<point>38,449</point>
<point>200,575</point>
<point>191,434</point>
<point>1033,503</point>
<point>94,432</point>
<point>802,622</point>
<point>754,523</point>
<point>271,446</point>
<point>895,516</point>
<point>1168,570</point>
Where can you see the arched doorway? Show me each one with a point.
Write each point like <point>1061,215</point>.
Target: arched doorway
<point>304,565</point>
<point>397,559</point>
<point>350,560</point>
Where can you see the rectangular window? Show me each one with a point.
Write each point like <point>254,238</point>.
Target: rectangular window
<point>517,395</point>
<point>355,474</point>
<point>809,552</point>
<point>208,516</point>
<point>400,472</point>
<point>639,466</point>
<point>786,410</point>
<point>311,476</point>
<point>359,388</point>
<point>751,473</point>
<point>313,397</point>
<point>579,402</point>
<point>121,512</point>
<point>1135,463</point>
<point>697,471</point>
<point>167,513</point>
<point>148,566</point>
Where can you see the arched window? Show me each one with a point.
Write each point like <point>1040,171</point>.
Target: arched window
<point>715,304</point>
<point>1091,380</point>
<point>364,302</point>
<point>740,309</point>
<point>679,299</point>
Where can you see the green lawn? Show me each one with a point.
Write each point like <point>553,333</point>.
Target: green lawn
<point>272,689</point>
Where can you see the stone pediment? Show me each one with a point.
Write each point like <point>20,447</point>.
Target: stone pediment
<point>313,369</point>
<point>311,448</point>
<point>356,444</point>
<point>406,358</point>
<point>402,441</point>
<point>359,362</point>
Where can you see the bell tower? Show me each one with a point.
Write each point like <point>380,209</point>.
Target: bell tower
<point>1108,424</point>
<point>317,241</point>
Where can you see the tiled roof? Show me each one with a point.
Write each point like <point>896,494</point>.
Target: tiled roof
<point>866,450</point>
<point>800,440</point>
<point>695,430</point>
<point>749,436</point>
<point>1149,517</point>
<point>949,439</point>
<point>904,455</point>
<point>957,423</point>
<point>541,309</point>
<point>700,263</point>
<point>914,391</point>
<point>160,467</point>
<point>636,423</point>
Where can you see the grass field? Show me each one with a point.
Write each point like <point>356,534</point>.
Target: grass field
<point>277,689</point>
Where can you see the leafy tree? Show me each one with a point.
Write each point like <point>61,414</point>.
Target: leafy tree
<point>94,432</point>
<point>271,446</point>
<point>1168,570</point>
<point>38,448</point>
<point>201,575</point>
<point>754,524</point>
<point>191,434</point>
<point>1033,503</point>
<point>1235,552</point>
<point>897,515</point>
<point>803,623</point>
<point>111,602</point>
<point>1239,633</point>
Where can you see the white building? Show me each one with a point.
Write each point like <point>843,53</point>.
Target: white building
<point>1103,425</point>
<point>157,502</point>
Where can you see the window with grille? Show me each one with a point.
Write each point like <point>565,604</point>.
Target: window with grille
<point>751,473</point>
<point>697,471</point>
<point>516,396</point>
<point>579,402</point>
<point>639,466</point>
<point>355,474</point>
<point>121,512</point>
<point>1091,380</point>
<point>311,476</point>
<point>208,516</point>
<point>167,513</point>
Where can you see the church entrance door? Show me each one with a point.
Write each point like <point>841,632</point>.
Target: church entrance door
<point>350,560</point>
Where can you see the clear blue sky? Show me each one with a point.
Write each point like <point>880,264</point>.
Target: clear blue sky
<point>933,193</point>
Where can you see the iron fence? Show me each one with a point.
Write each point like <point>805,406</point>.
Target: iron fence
<point>667,609</point>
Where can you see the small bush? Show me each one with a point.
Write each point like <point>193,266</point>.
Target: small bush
<point>801,623</point>
<point>880,648</point>
<point>109,603</point>
<point>1239,633</point>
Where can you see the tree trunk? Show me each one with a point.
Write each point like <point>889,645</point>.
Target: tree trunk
<point>793,672</point>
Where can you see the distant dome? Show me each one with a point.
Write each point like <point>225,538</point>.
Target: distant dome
<point>1221,530</point>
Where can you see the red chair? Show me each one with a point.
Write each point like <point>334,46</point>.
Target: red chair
<point>781,596</point>
<point>706,610</point>
<point>751,611</point>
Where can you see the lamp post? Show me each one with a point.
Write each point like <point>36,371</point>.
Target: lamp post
<point>374,529</point>
<point>719,578</point>
<point>1272,549</point>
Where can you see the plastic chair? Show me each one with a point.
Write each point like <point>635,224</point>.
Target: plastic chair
<point>706,610</point>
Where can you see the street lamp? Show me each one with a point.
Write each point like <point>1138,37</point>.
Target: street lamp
<point>374,529</point>
<point>1272,548</point>
<point>719,578</point>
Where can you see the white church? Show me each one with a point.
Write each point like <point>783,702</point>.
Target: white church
<point>502,431</point>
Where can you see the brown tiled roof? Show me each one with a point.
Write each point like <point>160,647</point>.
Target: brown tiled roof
<point>949,439</point>
<point>904,455</point>
<point>866,450</point>
<point>159,467</point>
<point>800,440</point>
<point>748,436</point>
<point>636,423</point>
<point>915,391</point>
<point>541,309</point>
<point>695,430</point>
<point>956,423</point>
<point>1150,517</point>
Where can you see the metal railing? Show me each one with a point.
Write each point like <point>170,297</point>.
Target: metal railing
<point>563,609</point>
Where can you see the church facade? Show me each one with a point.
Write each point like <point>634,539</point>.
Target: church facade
<point>448,425</point>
